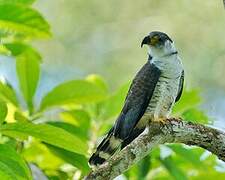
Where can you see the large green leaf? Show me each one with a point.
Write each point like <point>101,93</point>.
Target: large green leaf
<point>25,2</point>
<point>22,22</point>
<point>20,117</point>
<point>37,153</point>
<point>79,118</point>
<point>18,48</point>
<point>77,122</point>
<point>187,154</point>
<point>77,131</point>
<point>209,175</point>
<point>171,167</point>
<point>28,70</point>
<point>8,94</point>
<point>113,105</point>
<point>3,111</point>
<point>74,159</point>
<point>144,167</point>
<point>98,81</point>
<point>46,133</point>
<point>12,165</point>
<point>6,173</point>
<point>195,115</point>
<point>76,91</point>
<point>189,99</point>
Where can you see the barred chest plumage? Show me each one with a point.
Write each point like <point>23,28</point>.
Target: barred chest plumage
<point>167,87</point>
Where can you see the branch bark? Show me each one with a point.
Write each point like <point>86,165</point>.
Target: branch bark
<point>172,131</point>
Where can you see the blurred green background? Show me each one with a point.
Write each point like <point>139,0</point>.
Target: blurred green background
<point>103,37</point>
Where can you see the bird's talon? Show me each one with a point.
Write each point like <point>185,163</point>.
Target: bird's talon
<point>160,120</point>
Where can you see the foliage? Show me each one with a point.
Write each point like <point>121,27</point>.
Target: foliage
<point>83,92</point>
<point>84,110</point>
<point>12,165</point>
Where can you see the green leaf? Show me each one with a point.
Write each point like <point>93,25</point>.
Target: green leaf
<point>171,167</point>
<point>22,22</point>
<point>76,91</point>
<point>189,99</point>
<point>8,94</point>
<point>79,118</point>
<point>209,175</point>
<point>74,159</point>
<point>46,133</point>
<point>3,111</point>
<point>28,70</point>
<point>6,173</point>
<point>133,173</point>
<point>25,2</point>
<point>98,81</point>
<point>20,117</point>
<point>144,167</point>
<point>4,50</point>
<point>18,48</point>
<point>40,155</point>
<point>12,164</point>
<point>187,154</point>
<point>113,105</point>
<point>195,115</point>
<point>77,131</point>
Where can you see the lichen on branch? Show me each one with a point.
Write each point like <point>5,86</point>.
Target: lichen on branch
<point>172,131</point>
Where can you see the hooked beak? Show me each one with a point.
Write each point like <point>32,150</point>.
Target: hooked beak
<point>146,40</point>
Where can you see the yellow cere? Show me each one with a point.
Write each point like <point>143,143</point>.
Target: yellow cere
<point>154,40</point>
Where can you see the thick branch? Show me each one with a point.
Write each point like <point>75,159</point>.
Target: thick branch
<point>173,131</point>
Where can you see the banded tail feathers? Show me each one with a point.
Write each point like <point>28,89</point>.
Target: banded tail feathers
<point>109,145</point>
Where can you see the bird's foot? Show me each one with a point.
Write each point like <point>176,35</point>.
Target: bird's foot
<point>160,120</point>
<point>165,124</point>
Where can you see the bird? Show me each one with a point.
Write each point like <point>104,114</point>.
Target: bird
<point>155,89</point>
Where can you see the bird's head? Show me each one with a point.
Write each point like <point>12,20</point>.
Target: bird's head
<point>159,44</point>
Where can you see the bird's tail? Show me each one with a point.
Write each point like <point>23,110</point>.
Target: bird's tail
<point>110,144</point>
<point>106,149</point>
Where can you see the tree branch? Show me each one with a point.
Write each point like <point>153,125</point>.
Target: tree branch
<point>173,131</point>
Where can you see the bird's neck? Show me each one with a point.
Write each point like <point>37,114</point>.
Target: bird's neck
<point>167,58</point>
<point>169,64</point>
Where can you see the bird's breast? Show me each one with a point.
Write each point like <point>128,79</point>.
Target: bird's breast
<point>164,96</point>
<point>170,67</point>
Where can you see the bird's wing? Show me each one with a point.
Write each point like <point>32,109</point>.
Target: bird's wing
<point>181,85</point>
<point>137,100</point>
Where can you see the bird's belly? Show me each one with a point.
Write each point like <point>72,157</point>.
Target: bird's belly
<point>163,98</point>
